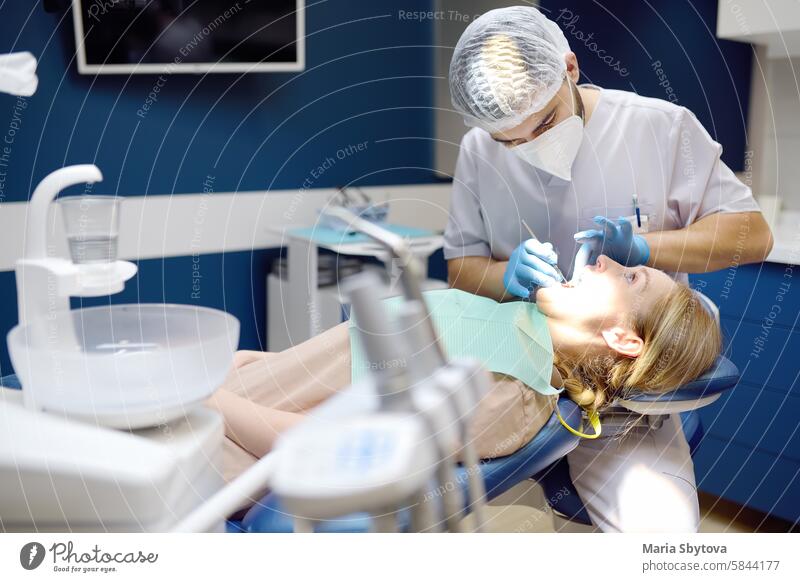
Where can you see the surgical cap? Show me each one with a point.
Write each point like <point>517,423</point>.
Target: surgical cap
<point>508,64</point>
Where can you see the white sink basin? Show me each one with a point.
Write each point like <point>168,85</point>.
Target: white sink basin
<point>124,366</point>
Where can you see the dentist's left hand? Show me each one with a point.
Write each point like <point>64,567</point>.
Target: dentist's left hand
<point>616,240</point>
<point>530,265</point>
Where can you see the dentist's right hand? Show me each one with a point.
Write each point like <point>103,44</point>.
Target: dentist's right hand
<point>529,266</point>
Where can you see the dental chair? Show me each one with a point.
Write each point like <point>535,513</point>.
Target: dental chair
<point>569,513</point>
<point>544,459</point>
<point>551,443</point>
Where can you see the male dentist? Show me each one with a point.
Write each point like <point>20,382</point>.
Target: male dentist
<point>638,179</point>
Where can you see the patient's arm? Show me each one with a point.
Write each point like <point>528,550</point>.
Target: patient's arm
<point>268,393</point>
<point>252,426</point>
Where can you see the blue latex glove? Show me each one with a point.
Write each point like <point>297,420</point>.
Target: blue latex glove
<point>529,266</point>
<point>616,240</point>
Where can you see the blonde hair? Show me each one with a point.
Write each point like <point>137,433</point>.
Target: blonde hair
<point>681,341</point>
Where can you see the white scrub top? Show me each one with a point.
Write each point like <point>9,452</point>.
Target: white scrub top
<point>631,144</point>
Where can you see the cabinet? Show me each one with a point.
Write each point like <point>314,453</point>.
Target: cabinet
<point>298,308</point>
<point>751,450</point>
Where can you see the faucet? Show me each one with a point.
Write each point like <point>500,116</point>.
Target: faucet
<point>45,284</point>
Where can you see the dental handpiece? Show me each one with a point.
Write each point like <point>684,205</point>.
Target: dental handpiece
<point>533,236</point>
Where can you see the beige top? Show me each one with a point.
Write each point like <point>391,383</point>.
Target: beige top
<point>298,379</point>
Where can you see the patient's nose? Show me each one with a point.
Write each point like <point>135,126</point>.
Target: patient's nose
<point>605,264</point>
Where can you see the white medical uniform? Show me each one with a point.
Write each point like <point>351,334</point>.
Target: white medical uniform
<point>631,144</point>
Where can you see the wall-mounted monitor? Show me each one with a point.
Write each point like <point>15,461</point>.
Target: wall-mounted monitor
<point>189,36</point>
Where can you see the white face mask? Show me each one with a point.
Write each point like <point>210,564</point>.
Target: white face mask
<point>554,151</point>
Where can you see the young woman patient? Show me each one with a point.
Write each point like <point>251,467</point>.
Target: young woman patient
<point>618,329</point>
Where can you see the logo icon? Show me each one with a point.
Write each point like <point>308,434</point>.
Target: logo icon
<point>31,555</point>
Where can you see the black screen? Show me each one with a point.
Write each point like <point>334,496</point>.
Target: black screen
<point>126,32</point>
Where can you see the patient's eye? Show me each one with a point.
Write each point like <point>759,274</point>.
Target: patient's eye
<point>630,276</point>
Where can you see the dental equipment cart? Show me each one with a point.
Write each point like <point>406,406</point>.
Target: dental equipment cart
<point>298,307</point>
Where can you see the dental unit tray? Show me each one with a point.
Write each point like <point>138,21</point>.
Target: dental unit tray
<point>364,208</point>
<point>329,236</point>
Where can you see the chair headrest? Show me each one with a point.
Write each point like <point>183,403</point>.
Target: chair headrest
<point>722,375</point>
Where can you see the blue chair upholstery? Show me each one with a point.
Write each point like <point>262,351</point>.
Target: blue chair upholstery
<point>555,480</point>
<point>722,376</point>
<point>692,429</point>
<point>561,493</point>
<point>10,381</point>
<point>552,442</point>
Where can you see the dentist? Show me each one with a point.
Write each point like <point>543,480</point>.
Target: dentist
<point>638,179</point>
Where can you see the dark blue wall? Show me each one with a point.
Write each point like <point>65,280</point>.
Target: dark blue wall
<point>709,76</point>
<point>367,79</point>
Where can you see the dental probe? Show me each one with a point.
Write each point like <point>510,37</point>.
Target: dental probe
<point>533,236</point>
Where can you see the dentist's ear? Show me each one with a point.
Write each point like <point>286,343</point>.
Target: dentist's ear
<point>572,66</point>
<point>623,341</point>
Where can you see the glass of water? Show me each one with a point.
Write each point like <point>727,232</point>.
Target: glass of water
<point>92,225</point>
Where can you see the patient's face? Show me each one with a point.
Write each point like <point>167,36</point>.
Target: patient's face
<point>608,294</point>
